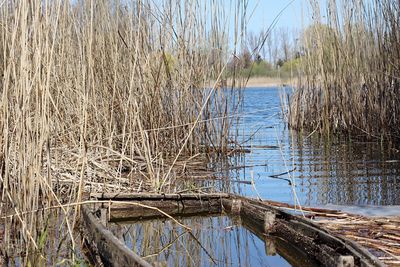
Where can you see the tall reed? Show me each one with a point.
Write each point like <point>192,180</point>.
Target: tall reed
<point>350,81</point>
<point>103,96</point>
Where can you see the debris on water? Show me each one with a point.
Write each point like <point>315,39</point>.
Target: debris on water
<point>380,236</point>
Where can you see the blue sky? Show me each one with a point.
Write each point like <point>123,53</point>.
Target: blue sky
<point>265,11</point>
<point>294,15</point>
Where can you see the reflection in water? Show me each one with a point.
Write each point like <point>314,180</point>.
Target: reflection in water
<point>349,172</point>
<point>214,241</point>
<point>54,243</point>
<point>341,171</point>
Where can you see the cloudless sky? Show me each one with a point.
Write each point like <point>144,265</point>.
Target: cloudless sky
<point>291,15</point>
<point>265,11</point>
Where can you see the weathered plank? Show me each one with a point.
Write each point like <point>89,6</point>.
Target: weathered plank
<point>315,240</point>
<point>318,243</point>
<point>149,196</point>
<point>112,251</point>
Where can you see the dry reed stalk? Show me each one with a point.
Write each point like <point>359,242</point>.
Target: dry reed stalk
<point>380,235</point>
<point>350,78</point>
<point>92,90</point>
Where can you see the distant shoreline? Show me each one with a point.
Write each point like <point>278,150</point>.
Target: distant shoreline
<point>261,82</point>
<point>266,82</point>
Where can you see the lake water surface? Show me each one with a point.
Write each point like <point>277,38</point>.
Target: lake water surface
<point>215,240</point>
<point>341,171</point>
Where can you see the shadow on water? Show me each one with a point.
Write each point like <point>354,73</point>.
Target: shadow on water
<point>340,171</point>
<point>216,240</point>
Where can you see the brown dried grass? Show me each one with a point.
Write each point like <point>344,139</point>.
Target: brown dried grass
<point>104,96</point>
<point>350,81</point>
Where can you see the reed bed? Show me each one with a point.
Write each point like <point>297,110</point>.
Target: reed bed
<point>350,75</point>
<point>104,96</point>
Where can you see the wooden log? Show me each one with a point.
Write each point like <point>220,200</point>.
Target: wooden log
<point>184,207</point>
<point>310,237</point>
<point>112,251</point>
<point>323,253</point>
<point>149,196</point>
<point>311,232</point>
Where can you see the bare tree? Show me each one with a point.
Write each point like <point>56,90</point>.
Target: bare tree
<point>285,44</point>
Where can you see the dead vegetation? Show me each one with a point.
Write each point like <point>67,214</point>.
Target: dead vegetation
<point>379,235</point>
<point>104,96</point>
<point>350,80</point>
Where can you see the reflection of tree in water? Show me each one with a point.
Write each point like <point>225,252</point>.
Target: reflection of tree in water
<point>343,172</point>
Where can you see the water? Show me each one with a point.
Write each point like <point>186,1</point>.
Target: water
<point>339,172</point>
<point>215,241</point>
